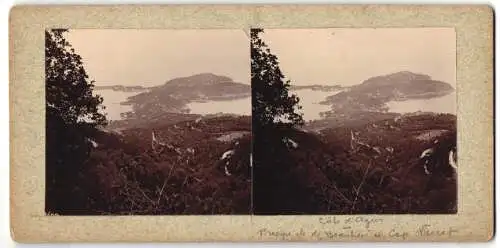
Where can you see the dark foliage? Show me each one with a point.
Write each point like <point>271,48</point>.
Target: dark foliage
<point>71,119</point>
<point>273,113</point>
<point>325,175</point>
<point>271,101</point>
<point>126,176</point>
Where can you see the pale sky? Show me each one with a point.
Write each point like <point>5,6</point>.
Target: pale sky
<point>307,56</point>
<point>152,57</point>
<point>349,56</point>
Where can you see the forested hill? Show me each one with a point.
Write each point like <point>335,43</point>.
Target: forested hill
<point>171,98</point>
<point>205,86</point>
<point>373,93</point>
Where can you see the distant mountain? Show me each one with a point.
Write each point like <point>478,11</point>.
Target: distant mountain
<point>205,86</point>
<point>176,93</point>
<point>404,85</point>
<point>197,80</point>
<point>375,92</point>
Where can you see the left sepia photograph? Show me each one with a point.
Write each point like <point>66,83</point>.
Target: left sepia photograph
<point>147,122</point>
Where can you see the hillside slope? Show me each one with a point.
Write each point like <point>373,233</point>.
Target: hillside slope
<point>379,173</point>
<point>182,173</point>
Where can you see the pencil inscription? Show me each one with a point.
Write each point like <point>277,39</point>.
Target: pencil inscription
<point>428,230</point>
<point>358,227</point>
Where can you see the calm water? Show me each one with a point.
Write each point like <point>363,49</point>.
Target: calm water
<point>309,100</point>
<point>112,100</point>
<point>444,104</point>
<point>241,106</point>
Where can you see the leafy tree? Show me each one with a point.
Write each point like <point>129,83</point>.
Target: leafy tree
<point>274,116</point>
<point>271,101</point>
<point>71,120</point>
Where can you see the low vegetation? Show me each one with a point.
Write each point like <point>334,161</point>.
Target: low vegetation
<point>127,174</point>
<point>325,174</point>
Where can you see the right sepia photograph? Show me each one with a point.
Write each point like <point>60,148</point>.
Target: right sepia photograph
<point>354,121</point>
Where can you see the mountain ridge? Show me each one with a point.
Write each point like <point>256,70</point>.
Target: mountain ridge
<point>373,93</point>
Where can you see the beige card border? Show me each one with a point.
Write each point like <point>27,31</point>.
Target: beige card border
<point>474,31</point>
